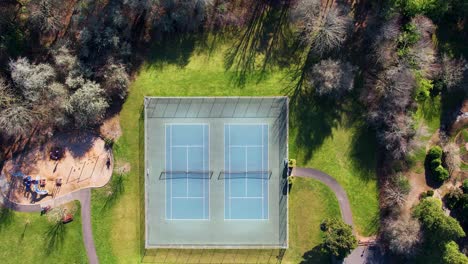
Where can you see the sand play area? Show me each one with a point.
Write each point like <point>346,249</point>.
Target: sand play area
<point>68,162</point>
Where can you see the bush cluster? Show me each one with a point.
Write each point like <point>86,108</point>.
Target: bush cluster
<point>436,169</point>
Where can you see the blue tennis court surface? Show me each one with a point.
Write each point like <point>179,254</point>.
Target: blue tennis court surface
<point>187,171</point>
<point>246,171</point>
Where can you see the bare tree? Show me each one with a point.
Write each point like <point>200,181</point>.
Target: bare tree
<point>116,80</point>
<point>424,53</point>
<point>324,33</point>
<point>453,71</point>
<point>88,105</point>
<point>65,60</point>
<point>395,191</point>
<point>17,120</point>
<point>6,96</point>
<point>402,234</point>
<point>332,33</point>
<point>32,79</point>
<point>332,77</point>
<point>452,157</point>
<point>46,15</point>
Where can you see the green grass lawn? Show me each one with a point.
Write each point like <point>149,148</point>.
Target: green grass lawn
<point>24,238</point>
<point>309,203</point>
<point>118,229</point>
<point>348,155</point>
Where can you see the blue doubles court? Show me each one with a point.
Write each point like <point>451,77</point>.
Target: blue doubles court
<point>187,171</point>
<point>246,171</point>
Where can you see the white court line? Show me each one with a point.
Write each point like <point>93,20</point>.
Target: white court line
<point>246,197</point>
<point>186,167</point>
<point>170,145</point>
<point>208,181</point>
<point>263,195</point>
<point>187,197</point>
<point>268,168</point>
<point>246,146</point>
<point>187,146</point>
<point>245,175</point>
<point>203,166</point>
<point>229,152</point>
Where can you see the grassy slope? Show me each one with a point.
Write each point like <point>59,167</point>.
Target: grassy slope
<point>117,229</point>
<point>27,243</point>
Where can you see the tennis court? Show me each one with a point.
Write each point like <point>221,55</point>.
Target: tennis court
<point>186,175</point>
<point>246,171</point>
<point>216,172</point>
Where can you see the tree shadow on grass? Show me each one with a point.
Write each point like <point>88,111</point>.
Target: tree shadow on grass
<point>175,49</point>
<point>313,120</point>
<point>315,256</point>
<point>6,217</point>
<point>364,151</point>
<point>267,33</point>
<point>117,188</point>
<point>55,236</point>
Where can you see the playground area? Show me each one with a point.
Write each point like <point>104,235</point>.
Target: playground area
<point>66,163</point>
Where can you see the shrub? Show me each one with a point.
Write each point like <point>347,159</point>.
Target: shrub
<point>292,163</point>
<point>108,142</point>
<point>439,226</point>
<point>427,194</point>
<point>339,240</point>
<point>434,8</point>
<point>452,254</point>
<point>435,163</point>
<point>434,153</point>
<point>423,89</point>
<point>441,174</point>
<point>465,186</point>
<point>452,198</point>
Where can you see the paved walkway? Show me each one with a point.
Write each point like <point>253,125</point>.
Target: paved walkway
<point>328,180</point>
<point>84,196</point>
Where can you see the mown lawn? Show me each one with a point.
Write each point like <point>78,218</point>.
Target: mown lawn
<point>192,71</point>
<point>26,238</point>
<point>309,203</point>
<point>348,154</point>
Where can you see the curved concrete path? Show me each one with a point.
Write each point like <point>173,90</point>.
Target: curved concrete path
<point>84,196</point>
<point>328,180</point>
